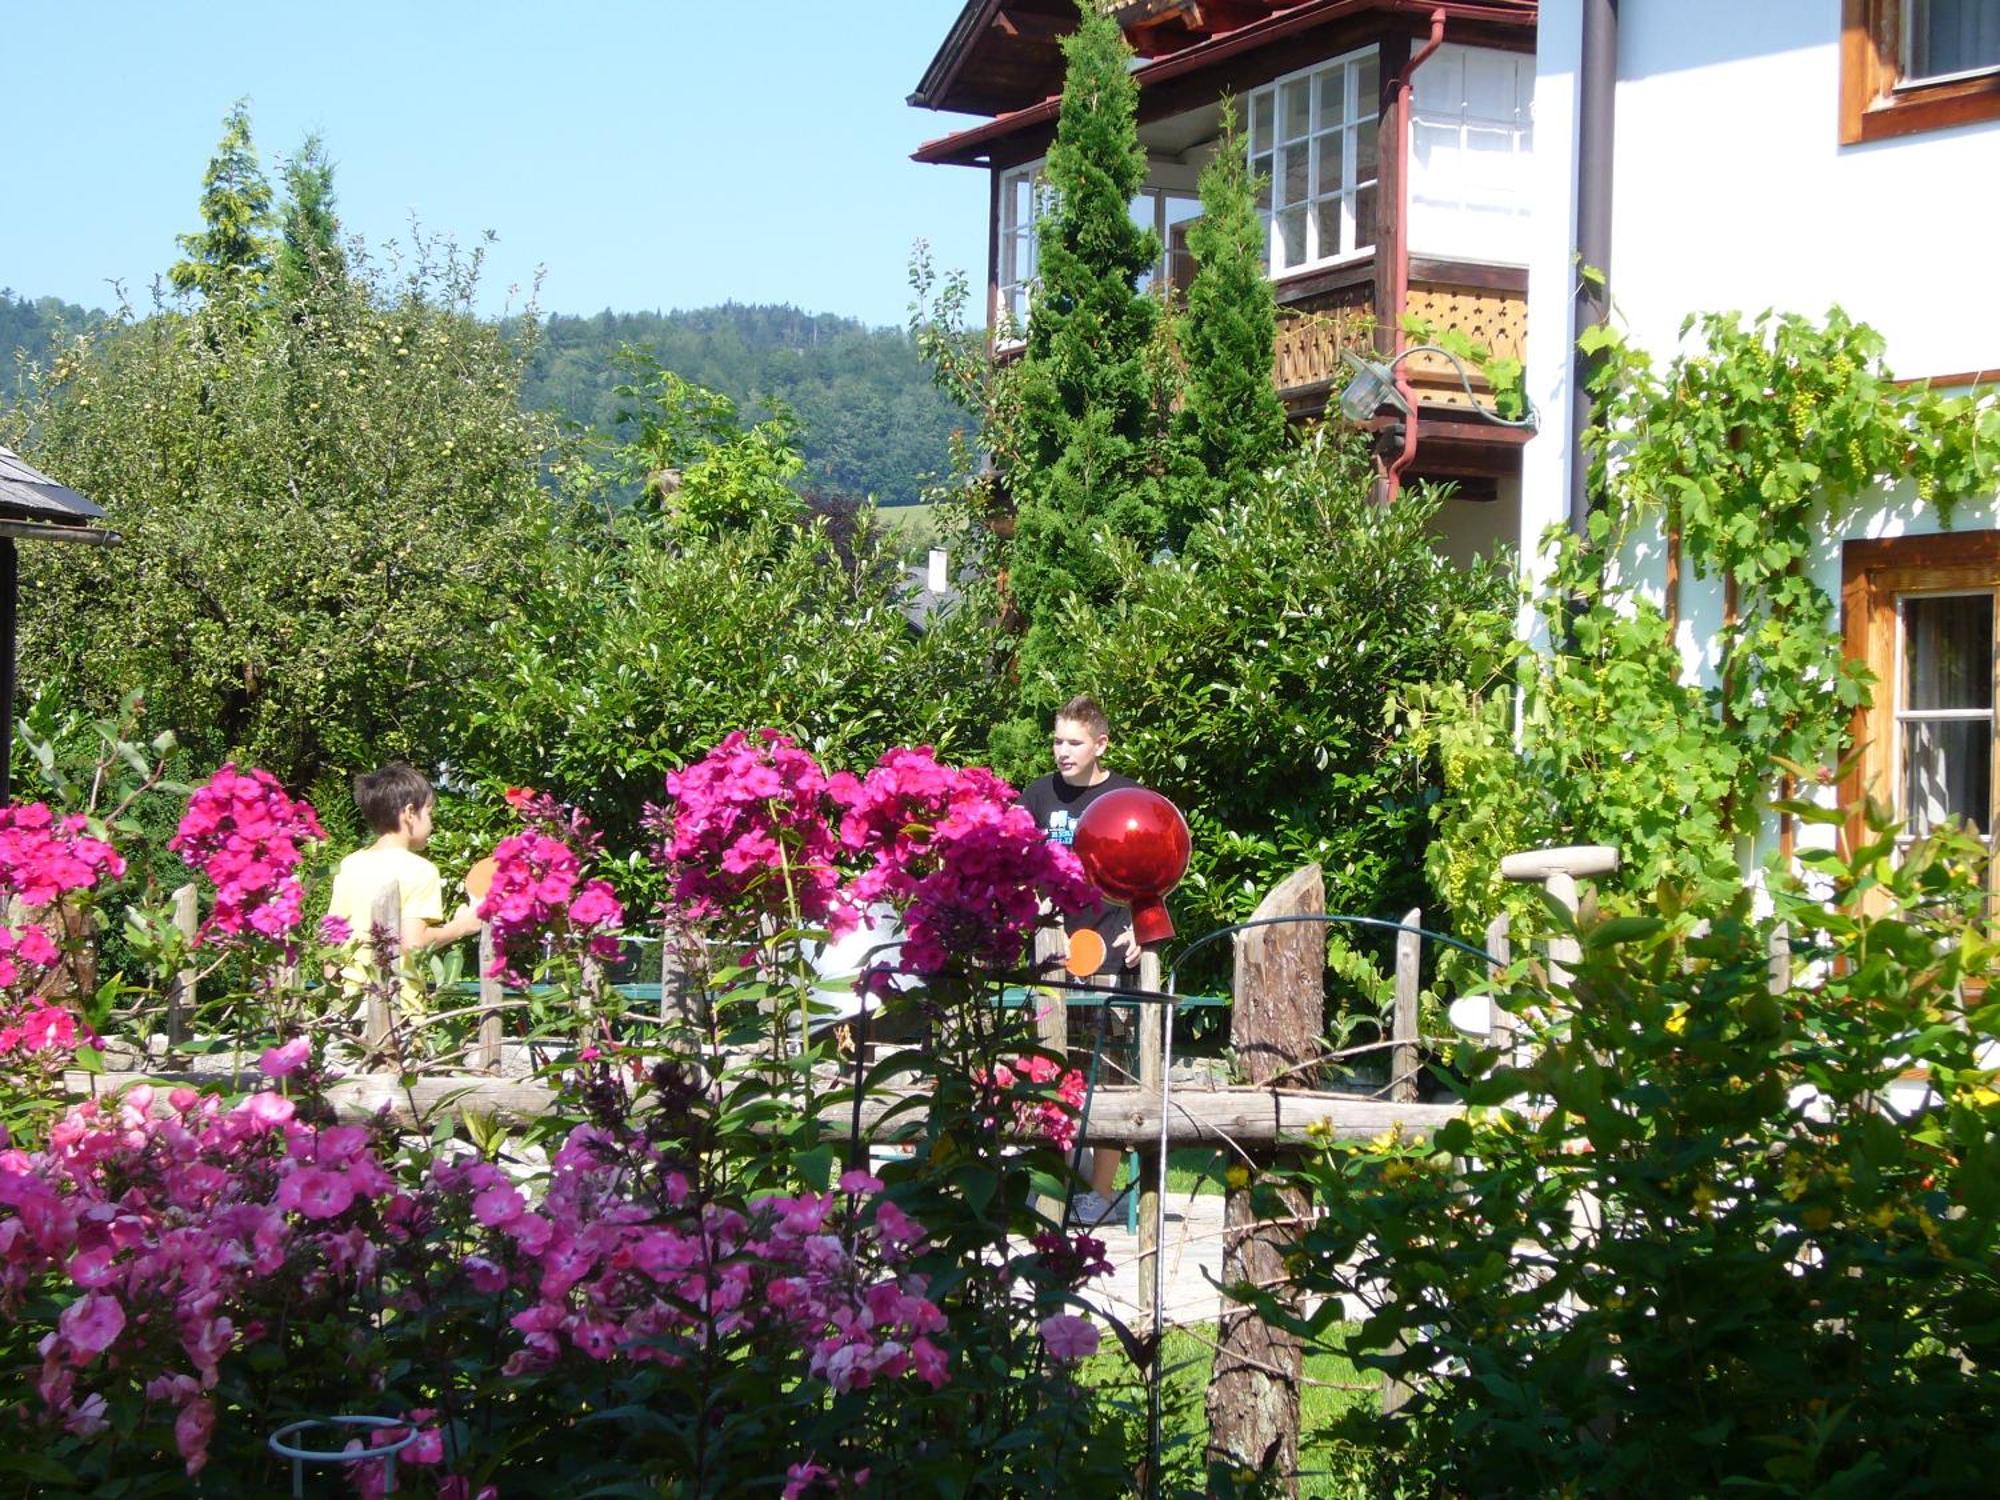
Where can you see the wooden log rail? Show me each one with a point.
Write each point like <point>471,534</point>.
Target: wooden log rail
<point>1119,1116</point>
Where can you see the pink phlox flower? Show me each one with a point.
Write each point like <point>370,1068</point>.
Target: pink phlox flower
<point>1068,1338</point>
<point>316,1193</point>
<point>43,858</point>
<point>286,1059</point>
<point>91,1324</point>
<point>247,836</point>
<point>334,931</point>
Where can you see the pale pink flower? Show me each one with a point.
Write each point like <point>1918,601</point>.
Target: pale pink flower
<point>90,1324</point>
<point>283,1061</point>
<point>1068,1338</point>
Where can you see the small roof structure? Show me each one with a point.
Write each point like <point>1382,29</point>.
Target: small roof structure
<point>33,507</point>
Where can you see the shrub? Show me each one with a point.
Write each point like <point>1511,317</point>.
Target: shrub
<point>1702,1241</point>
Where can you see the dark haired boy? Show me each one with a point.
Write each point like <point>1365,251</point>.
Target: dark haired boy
<point>1080,737</point>
<point>397,803</point>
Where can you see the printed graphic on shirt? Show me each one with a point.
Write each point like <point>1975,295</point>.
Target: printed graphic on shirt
<point>1062,827</point>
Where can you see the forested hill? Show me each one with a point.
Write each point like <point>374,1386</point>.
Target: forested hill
<point>870,420</point>
<point>26,325</point>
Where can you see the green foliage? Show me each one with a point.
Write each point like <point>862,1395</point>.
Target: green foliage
<point>1231,423</point>
<point>700,471</point>
<point>641,640</point>
<point>1750,446</point>
<point>1689,1248</point>
<point>30,329</point>
<point>1246,679</point>
<point>310,230</point>
<point>870,422</point>
<point>230,255</point>
<point>1088,454</point>
<point>318,511</point>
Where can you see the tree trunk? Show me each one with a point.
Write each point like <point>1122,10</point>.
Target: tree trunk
<point>1276,1024</point>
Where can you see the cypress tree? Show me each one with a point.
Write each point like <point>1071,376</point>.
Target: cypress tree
<point>232,251</point>
<point>1088,455</point>
<point>1231,424</point>
<point>310,233</point>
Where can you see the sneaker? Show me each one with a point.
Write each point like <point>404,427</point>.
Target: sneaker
<point>1093,1210</point>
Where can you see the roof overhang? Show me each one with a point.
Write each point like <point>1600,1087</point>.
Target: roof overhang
<point>972,146</point>
<point>34,507</point>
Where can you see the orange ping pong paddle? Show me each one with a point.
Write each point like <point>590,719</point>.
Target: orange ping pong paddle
<point>479,879</point>
<point>1086,953</point>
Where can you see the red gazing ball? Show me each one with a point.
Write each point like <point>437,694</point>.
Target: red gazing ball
<point>1134,846</point>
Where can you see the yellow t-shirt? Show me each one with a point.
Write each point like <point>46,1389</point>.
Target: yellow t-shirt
<point>361,878</point>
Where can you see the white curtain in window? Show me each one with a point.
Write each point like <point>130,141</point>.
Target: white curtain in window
<point>1472,140</point>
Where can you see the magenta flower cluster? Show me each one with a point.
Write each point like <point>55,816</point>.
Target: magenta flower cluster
<point>165,1213</point>
<point>951,848</point>
<point>748,823</point>
<point>247,836</point>
<point>538,887</point>
<point>1054,1120</point>
<point>43,858</point>
<point>610,1275</point>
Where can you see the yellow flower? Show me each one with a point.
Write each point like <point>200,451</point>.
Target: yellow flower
<point>1985,1097</point>
<point>1238,1176</point>
<point>1677,1023</point>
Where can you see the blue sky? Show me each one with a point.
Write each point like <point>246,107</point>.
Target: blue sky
<point>672,154</point>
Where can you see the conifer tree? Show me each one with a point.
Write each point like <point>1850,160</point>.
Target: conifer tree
<point>1231,424</point>
<point>232,251</point>
<point>1089,454</point>
<point>310,232</point>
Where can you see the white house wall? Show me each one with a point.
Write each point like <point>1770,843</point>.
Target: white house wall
<point>1731,191</point>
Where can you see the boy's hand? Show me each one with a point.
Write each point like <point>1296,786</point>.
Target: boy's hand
<point>1127,944</point>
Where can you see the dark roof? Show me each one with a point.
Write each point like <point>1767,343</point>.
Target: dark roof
<point>1000,60</point>
<point>27,494</point>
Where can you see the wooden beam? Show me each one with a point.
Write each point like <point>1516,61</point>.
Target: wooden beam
<point>1119,1116</point>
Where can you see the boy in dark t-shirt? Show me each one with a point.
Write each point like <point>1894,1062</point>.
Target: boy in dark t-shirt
<point>1057,802</point>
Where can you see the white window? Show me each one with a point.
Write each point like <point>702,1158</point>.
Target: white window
<point>1313,139</point>
<point>1472,141</point>
<point>1944,709</point>
<point>1949,39</point>
<point>1021,204</point>
<point>1025,197</point>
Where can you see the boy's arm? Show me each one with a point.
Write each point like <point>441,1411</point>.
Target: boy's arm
<point>419,936</point>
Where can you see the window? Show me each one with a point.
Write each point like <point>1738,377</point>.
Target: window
<point>1024,198</point>
<point>1313,140</point>
<point>1021,204</point>
<point>1920,613</point>
<point>1472,139</point>
<point>1912,65</point>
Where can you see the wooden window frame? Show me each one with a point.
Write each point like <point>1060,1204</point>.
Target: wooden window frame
<point>1873,106</point>
<point>1874,574</point>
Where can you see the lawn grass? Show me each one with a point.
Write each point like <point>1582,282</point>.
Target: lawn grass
<point>1330,1469</point>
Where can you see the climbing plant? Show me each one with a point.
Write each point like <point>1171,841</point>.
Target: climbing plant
<point>1741,453</point>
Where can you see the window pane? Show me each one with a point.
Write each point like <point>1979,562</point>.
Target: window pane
<point>1364,217</point>
<point>1326,218</point>
<point>1298,98</point>
<point>1293,189</point>
<point>1329,178</point>
<point>1332,94</point>
<point>1948,652</point>
<point>1262,108</point>
<point>1948,773</point>
<point>1367,89</point>
<point>1366,140</point>
<point>1260,169</point>
<point>1020,202</point>
<point>1952,36</point>
<point>1292,238</point>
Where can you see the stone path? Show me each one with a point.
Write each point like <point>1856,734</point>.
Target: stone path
<point>1191,1263</point>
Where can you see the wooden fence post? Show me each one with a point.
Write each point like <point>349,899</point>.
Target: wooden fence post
<point>180,993</point>
<point>486,1058</point>
<point>1405,1056</point>
<point>385,916</point>
<point>1152,1041</point>
<point>1276,1024</point>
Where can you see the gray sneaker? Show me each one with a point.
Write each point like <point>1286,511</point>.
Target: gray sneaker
<point>1093,1210</point>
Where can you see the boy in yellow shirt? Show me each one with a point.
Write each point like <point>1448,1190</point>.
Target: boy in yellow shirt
<point>397,803</point>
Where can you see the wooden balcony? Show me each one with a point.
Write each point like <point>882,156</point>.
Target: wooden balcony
<point>1487,304</point>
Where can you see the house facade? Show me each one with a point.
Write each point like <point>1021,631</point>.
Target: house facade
<point>1796,154</point>
<point>1706,155</point>
<point>1353,243</point>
